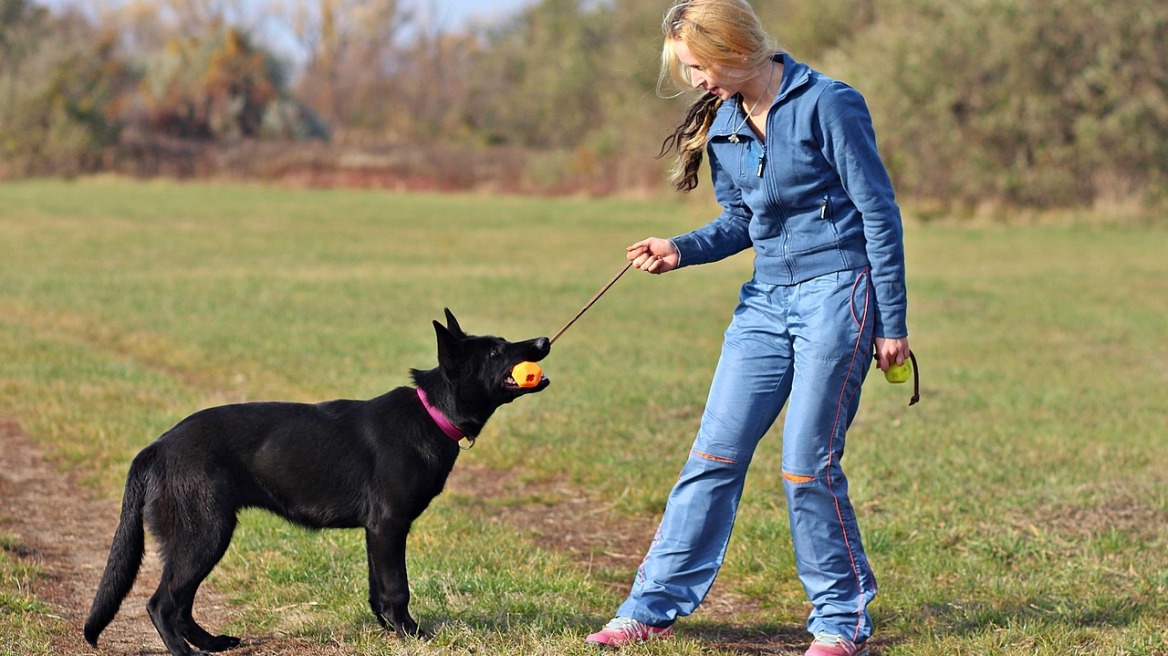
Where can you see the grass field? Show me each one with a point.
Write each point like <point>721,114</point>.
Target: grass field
<point>1020,508</point>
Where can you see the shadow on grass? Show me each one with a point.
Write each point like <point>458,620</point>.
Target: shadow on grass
<point>756,639</point>
<point>770,639</point>
<point>972,617</point>
<point>751,638</point>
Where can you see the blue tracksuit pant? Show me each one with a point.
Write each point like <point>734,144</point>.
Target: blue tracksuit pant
<point>809,346</point>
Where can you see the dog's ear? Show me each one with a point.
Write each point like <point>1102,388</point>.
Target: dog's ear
<point>449,349</point>
<point>452,324</point>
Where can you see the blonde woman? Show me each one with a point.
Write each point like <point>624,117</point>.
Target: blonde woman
<point>796,170</point>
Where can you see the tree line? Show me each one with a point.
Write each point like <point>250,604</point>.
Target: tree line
<point>1018,103</point>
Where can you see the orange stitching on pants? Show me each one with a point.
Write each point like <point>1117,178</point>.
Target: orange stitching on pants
<point>715,458</point>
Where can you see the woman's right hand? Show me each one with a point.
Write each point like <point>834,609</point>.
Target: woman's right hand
<point>654,255</point>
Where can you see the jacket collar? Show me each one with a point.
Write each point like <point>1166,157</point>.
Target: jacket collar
<point>795,75</point>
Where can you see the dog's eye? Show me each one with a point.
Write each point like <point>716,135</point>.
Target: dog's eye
<point>497,351</point>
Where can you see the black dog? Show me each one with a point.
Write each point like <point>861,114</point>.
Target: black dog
<point>372,464</point>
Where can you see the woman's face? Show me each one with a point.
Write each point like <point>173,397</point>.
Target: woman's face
<point>721,81</point>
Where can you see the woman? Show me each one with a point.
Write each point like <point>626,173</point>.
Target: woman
<point>795,167</point>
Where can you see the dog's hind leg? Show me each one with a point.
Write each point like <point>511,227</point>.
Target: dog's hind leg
<point>189,555</point>
<point>219,536</point>
<point>166,615</point>
<point>389,590</point>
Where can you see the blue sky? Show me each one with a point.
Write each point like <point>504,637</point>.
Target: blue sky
<point>456,12</point>
<point>444,13</point>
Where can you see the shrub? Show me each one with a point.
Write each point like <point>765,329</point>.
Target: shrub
<point>1047,103</point>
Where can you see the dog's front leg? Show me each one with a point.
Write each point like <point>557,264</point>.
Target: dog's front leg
<point>389,589</point>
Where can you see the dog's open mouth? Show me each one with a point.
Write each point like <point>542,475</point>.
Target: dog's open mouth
<point>510,383</point>
<point>529,385</point>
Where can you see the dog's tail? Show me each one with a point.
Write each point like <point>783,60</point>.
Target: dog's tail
<point>125,556</point>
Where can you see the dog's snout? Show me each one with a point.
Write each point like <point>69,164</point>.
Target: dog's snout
<point>543,345</point>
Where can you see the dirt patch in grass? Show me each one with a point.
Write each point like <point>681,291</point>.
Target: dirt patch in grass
<point>610,544</point>
<point>65,531</point>
<point>1108,508</point>
<point>558,517</point>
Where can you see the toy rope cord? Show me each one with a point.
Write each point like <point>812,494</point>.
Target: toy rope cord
<point>594,299</point>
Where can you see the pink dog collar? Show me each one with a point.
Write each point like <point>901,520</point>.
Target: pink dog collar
<point>450,429</point>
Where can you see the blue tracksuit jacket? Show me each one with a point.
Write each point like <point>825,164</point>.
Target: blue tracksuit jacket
<point>815,198</point>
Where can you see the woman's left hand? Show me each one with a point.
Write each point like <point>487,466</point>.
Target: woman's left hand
<point>891,352</point>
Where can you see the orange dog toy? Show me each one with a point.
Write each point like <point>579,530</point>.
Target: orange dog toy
<point>527,374</point>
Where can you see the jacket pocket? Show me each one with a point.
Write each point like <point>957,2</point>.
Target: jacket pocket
<point>750,150</point>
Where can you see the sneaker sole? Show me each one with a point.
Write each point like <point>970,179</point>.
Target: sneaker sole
<point>608,645</point>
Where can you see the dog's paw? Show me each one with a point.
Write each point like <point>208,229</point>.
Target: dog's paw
<point>211,644</point>
<point>220,643</point>
<point>409,628</point>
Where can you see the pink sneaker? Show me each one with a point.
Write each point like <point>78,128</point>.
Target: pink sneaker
<point>621,631</point>
<point>826,644</point>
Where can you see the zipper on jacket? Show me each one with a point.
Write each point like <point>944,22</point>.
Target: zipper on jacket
<point>761,160</point>
<point>825,207</point>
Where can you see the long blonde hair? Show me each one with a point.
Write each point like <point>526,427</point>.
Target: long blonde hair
<point>724,34</point>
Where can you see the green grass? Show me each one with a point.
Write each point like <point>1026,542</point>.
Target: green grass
<point>24,620</point>
<point>1021,508</point>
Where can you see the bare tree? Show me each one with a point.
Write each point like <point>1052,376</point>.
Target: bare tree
<point>349,46</point>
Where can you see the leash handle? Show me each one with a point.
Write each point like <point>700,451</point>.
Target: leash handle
<point>594,299</point>
<point>916,379</point>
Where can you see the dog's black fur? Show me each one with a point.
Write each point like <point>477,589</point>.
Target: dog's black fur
<point>372,464</point>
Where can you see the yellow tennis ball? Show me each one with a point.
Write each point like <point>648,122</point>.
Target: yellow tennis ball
<point>899,373</point>
<point>527,374</point>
